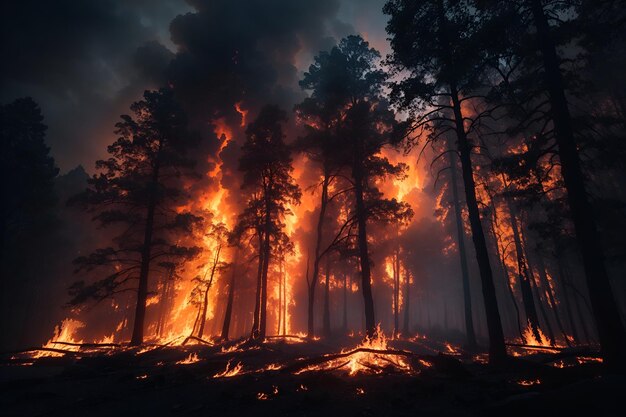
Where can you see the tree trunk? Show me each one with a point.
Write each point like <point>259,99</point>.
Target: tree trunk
<point>266,264</point>
<point>205,304</point>
<point>146,250</point>
<point>257,301</point>
<point>361,215</point>
<point>543,277</point>
<point>345,303</point>
<point>497,349</point>
<point>581,319</point>
<point>285,305</point>
<point>316,261</point>
<point>407,302</point>
<point>326,319</point>
<point>606,314</point>
<point>396,292</point>
<point>502,263</point>
<point>535,288</point>
<point>524,277</point>
<point>231,296</point>
<point>566,299</point>
<point>280,300</point>
<point>460,239</point>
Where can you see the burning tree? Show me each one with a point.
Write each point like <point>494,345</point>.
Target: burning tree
<point>435,54</point>
<point>139,190</point>
<point>531,35</point>
<point>350,123</point>
<point>320,113</point>
<point>218,235</point>
<point>270,189</point>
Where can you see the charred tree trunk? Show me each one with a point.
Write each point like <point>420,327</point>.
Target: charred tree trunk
<point>550,297</point>
<point>396,293</point>
<point>407,302</point>
<point>535,288</point>
<point>460,233</point>
<point>280,299</point>
<point>524,277</point>
<point>542,310</point>
<point>205,304</point>
<point>326,318</point>
<point>146,250</point>
<point>231,297</point>
<point>345,303</point>
<point>363,251</point>
<point>257,301</point>
<point>581,318</point>
<point>317,258</point>
<point>497,349</point>
<point>266,264</point>
<point>566,298</point>
<point>606,314</point>
<point>284,278</point>
<point>502,263</point>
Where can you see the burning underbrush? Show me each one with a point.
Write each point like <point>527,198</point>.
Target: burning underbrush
<point>295,354</point>
<point>288,372</point>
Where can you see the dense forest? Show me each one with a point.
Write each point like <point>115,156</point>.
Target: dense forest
<point>318,214</point>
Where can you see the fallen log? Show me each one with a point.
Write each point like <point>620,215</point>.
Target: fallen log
<point>287,336</point>
<point>536,347</point>
<point>44,349</point>
<point>87,345</point>
<point>305,363</point>
<point>197,339</point>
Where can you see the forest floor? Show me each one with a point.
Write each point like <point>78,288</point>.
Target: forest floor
<point>292,377</point>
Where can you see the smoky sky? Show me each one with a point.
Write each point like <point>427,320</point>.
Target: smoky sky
<point>85,62</point>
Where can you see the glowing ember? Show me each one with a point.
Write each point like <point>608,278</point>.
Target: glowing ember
<point>425,363</point>
<point>528,382</point>
<point>452,349</point>
<point>588,359</point>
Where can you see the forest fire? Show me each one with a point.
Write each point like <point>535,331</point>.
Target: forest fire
<point>290,217</point>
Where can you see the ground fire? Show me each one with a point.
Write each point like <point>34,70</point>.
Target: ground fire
<point>390,207</point>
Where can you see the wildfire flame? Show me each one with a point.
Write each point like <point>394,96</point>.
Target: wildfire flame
<point>532,339</point>
<point>192,358</point>
<point>368,357</point>
<point>230,372</point>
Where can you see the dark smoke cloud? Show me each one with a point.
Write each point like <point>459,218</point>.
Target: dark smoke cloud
<point>86,61</point>
<point>79,59</point>
<point>231,52</point>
